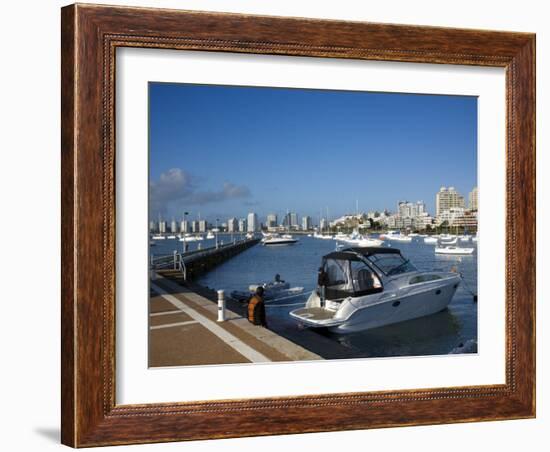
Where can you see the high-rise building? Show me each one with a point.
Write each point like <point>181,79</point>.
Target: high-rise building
<point>271,221</point>
<point>242,225</point>
<point>322,224</point>
<point>184,226</point>
<point>252,223</point>
<point>446,199</point>
<point>173,226</point>
<point>306,223</point>
<point>162,227</point>
<point>472,199</point>
<point>407,209</point>
<point>195,226</point>
<point>293,220</point>
<point>232,225</point>
<point>152,226</point>
<point>202,226</point>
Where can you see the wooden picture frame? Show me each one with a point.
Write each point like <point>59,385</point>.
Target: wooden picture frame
<point>90,36</point>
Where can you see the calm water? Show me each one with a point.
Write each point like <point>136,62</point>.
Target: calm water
<point>298,264</point>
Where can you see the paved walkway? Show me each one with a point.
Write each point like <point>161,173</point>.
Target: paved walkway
<point>184,331</point>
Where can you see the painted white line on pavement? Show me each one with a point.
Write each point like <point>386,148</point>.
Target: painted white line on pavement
<point>156,314</point>
<point>169,325</point>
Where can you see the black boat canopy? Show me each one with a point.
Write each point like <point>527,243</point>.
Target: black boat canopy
<point>350,254</point>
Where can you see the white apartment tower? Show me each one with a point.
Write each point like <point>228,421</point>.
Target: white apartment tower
<point>232,225</point>
<point>447,198</point>
<point>252,222</point>
<point>472,199</point>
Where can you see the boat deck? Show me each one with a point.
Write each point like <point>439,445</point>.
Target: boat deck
<point>314,313</point>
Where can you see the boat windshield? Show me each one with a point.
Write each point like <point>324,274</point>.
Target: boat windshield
<point>346,277</point>
<point>391,264</point>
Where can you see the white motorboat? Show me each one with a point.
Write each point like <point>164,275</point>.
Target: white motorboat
<point>278,240</point>
<point>397,236</point>
<point>210,236</point>
<point>272,290</point>
<point>158,237</point>
<point>465,238</point>
<point>365,242</point>
<point>447,237</point>
<point>431,240</point>
<point>341,237</point>
<point>171,237</point>
<point>452,241</point>
<point>453,250</point>
<point>365,288</point>
<point>191,238</point>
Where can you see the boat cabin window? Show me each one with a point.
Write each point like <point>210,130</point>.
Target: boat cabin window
<point>349,278</point>
<point>364,279</point>
<point>392,264</point>
<point>424,278</point>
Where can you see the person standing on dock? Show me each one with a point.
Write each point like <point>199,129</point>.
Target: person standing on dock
<point>256,308</point>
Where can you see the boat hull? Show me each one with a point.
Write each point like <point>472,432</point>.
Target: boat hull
<point>280,242</point>
<point>365,314</point>
<point>398,310</point>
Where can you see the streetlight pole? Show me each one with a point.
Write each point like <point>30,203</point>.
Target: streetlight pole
<point>185,231</point>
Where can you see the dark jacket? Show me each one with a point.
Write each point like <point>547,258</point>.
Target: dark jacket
<point>256,311</point>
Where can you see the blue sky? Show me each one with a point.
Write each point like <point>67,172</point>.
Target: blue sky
<point>224,151</point>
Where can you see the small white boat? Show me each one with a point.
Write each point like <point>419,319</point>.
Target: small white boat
<point>364,288</point>
<point>447,237</point>
<point>171,237</point>
<point>210,236</point>
<point>342,237</point>
<point>431,240</point>
<point>365,242</point>
<point>452,241</point>
<point>465,238</point>
<point>159,237</point>
<point>272,291</point>
<point>398,237</point>
<point>278,240</point>
<point>453,250</point>
<point>191,238</point>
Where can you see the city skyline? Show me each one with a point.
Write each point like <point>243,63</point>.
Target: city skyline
<point>228,151</point>
<point>411,215</point>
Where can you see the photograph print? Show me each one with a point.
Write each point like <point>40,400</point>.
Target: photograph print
<point>303,224</point>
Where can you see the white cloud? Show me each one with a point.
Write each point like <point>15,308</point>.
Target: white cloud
<point>177,188</point>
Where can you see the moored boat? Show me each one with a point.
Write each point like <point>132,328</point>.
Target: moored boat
<point>272,290</point>
<point>278,240</point>
<point>453,250</point>
<point>364,288</point>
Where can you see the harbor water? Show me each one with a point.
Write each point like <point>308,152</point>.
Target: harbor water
<point>298,264</point>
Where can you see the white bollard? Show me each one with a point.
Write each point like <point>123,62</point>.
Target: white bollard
<point>221,306</point>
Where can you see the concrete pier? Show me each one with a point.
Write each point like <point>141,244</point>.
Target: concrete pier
<point>184,331</point>
<point>196,262</point>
